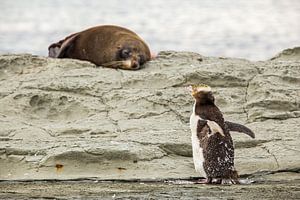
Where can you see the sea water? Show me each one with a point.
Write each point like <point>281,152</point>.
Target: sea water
<point>254,29</point>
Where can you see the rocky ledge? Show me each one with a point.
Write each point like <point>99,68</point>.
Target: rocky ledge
<point>68,119</point>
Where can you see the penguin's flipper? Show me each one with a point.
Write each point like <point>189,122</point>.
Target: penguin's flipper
<point>239,128</point>
<point>201,124</point>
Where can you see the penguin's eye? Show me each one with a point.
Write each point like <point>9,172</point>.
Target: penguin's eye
<point>125,53</point>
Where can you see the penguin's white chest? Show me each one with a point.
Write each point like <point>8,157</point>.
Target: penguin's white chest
<point>197,150</point>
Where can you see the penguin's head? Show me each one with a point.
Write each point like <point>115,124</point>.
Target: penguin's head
<point>202,93</point>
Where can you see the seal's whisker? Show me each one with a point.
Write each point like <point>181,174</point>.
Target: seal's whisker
<point>114,64</point>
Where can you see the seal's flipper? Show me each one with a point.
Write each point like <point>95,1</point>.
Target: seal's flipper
<point>67,46</point>
<point>239,128</point>
<point>54,48</point>
<point>53,51</point>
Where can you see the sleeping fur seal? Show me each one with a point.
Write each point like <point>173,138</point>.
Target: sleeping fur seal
<point>108,46</point>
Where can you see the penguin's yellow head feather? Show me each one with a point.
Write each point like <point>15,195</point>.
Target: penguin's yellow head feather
<point>202,93</point>
<point>197,88</point>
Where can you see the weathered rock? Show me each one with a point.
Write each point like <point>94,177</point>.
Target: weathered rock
<point>63,118</point>
<point>292,54</point>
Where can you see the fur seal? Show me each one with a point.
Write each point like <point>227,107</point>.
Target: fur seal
<point>213,151</point>
<point>108,46</point>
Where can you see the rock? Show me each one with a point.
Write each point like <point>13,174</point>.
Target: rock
<point>171,190</point>
<point>292,54</point>
<point>68,119</point>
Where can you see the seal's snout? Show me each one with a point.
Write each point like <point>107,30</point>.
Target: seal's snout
<point>135,64</point>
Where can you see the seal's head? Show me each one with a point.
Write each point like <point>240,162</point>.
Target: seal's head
<point>202,93</point>
<point>130,55</point>
<point>133,54</point>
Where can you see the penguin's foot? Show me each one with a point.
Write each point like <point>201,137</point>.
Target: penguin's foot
<point>203,181</point>
<point>210,181</point>
<point>218,181</point>
<point>227,181</point>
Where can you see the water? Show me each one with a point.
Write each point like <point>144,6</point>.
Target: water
<point>255,29</point>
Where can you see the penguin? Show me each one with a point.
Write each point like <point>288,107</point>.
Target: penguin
<point>213,151</point>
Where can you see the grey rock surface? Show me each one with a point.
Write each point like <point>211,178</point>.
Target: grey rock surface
<point>68,119</point>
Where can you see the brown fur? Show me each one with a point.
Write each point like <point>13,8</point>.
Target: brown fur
<point>104,45</point>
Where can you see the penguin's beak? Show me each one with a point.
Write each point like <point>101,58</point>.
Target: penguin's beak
<point>191,90</point>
